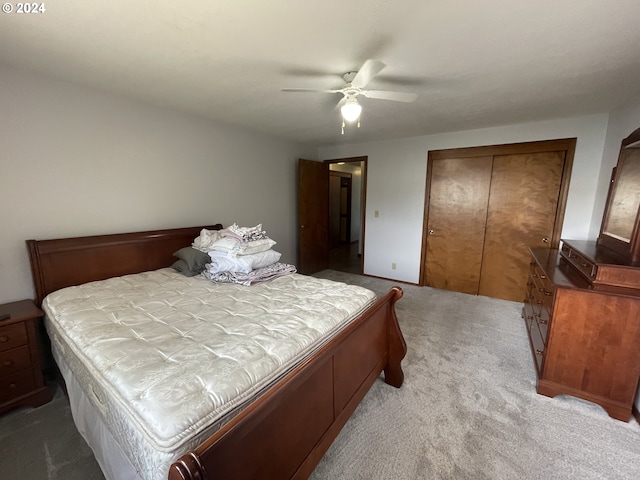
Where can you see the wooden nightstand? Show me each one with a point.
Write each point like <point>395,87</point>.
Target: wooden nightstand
<point>21,379</point>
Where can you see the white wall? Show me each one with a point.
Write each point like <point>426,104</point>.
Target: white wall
<point>396,180</point>
<point>76,161</point>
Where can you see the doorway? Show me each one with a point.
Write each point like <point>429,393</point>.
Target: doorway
<point>313,216</point>
<point>347,182</point>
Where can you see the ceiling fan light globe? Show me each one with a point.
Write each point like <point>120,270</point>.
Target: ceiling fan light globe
<point>351,111</point>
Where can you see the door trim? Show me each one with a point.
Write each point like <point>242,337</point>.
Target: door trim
<point>568,145</point>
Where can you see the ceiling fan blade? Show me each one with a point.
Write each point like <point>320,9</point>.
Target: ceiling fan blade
<point>369,69</point>
<point>394,96</point>
<point>342,101</point>
<point>308,90</point>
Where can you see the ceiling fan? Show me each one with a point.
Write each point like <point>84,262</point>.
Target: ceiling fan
<point>354,87</point>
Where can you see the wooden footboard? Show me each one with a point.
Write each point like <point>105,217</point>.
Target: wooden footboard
<point>285,432</point>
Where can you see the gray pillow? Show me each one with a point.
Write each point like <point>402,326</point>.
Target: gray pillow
<point>182,267</point>
<point>194,260</point>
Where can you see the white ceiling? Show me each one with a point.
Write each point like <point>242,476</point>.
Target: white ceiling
<point>473,64</point>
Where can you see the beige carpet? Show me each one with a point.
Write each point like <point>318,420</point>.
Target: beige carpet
<point>467,410</point>
<point>468,407</point>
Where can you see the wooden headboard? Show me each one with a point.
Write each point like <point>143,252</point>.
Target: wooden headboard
<point>60,263</point>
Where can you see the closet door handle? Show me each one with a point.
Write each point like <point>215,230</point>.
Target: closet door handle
<point>431,232</point>
<point>545,239</point>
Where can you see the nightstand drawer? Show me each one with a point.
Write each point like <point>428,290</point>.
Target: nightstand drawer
<point>14,360</point>
<point>21,381</point>
<point>12,336</point>
<point>17,384</point>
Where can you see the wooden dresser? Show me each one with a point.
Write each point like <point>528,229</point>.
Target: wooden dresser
<point>21,379</point>
<point>582,313</point>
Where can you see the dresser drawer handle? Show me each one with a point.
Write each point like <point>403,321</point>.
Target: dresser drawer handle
<point>548,294</point>
<point>543,321</point>
<point>543,276</point>
<point>539,352</point>
<point>584,265</point>
<point>4,339</point>
<point>7,363</point>
<point>13,386</point>
<point>539,302</point>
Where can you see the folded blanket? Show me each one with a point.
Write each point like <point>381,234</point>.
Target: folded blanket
<point>234,247</point>
<point>223,262</point>
<point>204,242</point>
<point>244,234</point>
<point>254,277</point>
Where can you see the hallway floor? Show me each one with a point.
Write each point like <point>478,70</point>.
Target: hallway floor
<point>345,258</point>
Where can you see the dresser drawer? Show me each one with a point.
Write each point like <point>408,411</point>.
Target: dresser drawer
<point>527,310</point>
<point>580,262</point>
<point>14,360</point>
<point>12,336</point>
<point>538,347</point>
<point>543,324</point>
<point>15,385</point>
<point>540,277</point>
<point>543,287</point>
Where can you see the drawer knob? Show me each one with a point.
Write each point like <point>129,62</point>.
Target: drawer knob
<point>13,386</point>
<point>539,352</point>
<point>4,339</point>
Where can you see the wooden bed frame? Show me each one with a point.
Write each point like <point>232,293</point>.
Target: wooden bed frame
<point>285,431</point>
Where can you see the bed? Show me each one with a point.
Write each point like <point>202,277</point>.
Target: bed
<point>284,422</point>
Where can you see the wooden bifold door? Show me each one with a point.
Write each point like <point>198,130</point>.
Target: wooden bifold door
<point>485,206</point>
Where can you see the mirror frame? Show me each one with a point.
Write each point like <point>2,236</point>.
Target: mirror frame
<point>629,251</point>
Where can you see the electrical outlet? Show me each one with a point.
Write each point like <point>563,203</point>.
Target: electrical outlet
<point>376,213</point>
<point>393,266</point>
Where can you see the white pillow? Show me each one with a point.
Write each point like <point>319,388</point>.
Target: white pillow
<point>262,259</point>
<point>256,246</point>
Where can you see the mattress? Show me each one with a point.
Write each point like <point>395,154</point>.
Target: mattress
<point>167,359</point>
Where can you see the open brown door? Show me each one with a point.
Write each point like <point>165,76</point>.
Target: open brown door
<point>313,216</point>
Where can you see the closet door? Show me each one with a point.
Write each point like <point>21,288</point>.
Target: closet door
<point>456,222</point>
<point>485,206</point>
<point>523,203</point>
